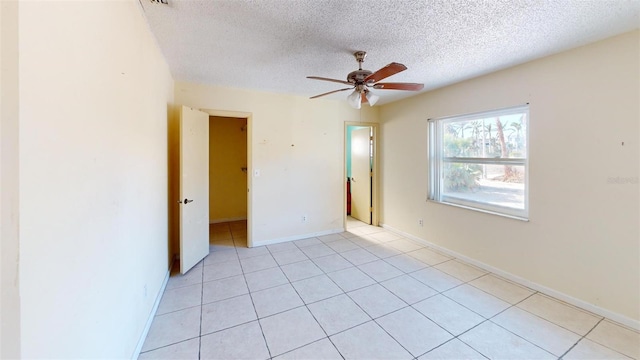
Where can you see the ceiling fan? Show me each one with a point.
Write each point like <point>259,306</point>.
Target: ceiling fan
<point>361,80</point>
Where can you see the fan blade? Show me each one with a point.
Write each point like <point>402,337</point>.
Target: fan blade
<point>364,98</point>
<point>327,79</point>
<point>330,92</point>
<point>399,86</point>
<point>385,72</point>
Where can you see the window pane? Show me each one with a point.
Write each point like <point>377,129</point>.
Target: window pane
<point>492,137</point>
<point>497,185</point>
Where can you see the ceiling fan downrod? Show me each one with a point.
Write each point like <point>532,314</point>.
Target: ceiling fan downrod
<point>360,56</point>
<point>357,77</point>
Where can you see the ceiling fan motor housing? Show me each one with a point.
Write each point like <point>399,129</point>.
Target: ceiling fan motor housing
<point>357,77</point>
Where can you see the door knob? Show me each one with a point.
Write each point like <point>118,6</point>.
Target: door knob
<point>186,201</point>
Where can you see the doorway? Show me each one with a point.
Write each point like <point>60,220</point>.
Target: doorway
<point>360,155</point>
<point>228,179</point>
<point>243,130</point>
<point>184,124</point>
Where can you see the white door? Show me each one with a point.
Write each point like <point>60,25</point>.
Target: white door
<point>194,187</point>
<point>361,174</point>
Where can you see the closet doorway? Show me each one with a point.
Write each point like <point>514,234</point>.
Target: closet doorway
<point>228,176</point>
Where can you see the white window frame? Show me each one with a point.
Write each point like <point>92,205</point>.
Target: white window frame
<point>436,162</point>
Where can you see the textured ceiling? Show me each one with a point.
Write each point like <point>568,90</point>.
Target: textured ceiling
<point>272,45</point>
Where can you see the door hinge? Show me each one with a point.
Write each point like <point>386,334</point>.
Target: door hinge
<point>371,209</point>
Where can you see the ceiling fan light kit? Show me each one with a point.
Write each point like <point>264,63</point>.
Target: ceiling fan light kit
<point>354,99</point>
<point>372,98</point>
<point>361,80</point>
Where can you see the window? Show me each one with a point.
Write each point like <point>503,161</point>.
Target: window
<point>479,161</point>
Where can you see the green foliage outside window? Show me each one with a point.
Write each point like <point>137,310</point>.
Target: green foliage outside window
<point>461,177</point>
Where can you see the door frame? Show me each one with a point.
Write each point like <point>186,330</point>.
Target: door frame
<point>249,117</point>
<point>374,179</point>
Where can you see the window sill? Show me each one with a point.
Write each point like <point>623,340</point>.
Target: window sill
<point>514,217</point>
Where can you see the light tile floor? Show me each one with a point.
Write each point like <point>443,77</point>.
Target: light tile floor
<point>364,294</point>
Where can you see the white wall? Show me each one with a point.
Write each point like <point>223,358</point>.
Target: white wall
<point>583,235</point>
<point>9,219</point>
<point>94,96</point>
<point>298,145</point>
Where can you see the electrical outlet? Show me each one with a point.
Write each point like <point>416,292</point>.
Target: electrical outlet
<point>420,222</point>
<point>304,218</point>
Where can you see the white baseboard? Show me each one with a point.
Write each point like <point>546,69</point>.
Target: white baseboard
<point>297,237</point>
<point>152,315</point>
<point>624,320</point>
<point>217,221</point>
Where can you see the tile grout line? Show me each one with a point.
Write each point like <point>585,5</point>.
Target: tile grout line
<point>306,305</point>
<point>456,338</point>
<point>515,305</point>
<point>201,311</point>
<point>523,338</point>
<point>314,317</point>
<point>473,311</point>
<point>170,344</point>
<point>411,305</point>
<point>584,337</point>
<point>325,273</point>
<point>581,337</point>
<point>511,305</point>
<point>376,282</point>
<point>488,319</point>
<point>171,312</point>
<point>303,302</point>
<point>371,318</point>
<point>551,321</point>
<point>264,338</point>
<point>202,302</point>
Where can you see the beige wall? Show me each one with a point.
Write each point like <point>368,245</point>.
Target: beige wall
<point>582,239</point>
<point>84,163</point>
<point>9,183</point>
<point>94,96</point>
<point>227,157</point>
<point>297,144</point>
